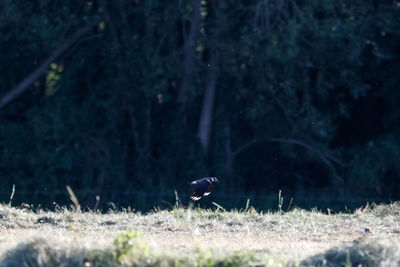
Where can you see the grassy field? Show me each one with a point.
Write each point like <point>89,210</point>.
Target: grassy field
<point>197,237</point>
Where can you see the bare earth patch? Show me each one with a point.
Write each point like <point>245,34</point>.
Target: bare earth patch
<point>201,237</point>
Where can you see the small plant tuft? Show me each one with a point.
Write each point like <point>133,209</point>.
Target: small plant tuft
<point>129,247</point>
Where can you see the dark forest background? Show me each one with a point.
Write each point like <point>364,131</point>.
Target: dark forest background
<point>131,99</point>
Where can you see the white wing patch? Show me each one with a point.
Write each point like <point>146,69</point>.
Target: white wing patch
<point>194,198</point>
<point>207,193</point>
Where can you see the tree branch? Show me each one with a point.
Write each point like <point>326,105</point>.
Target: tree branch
<point>324,157</point>
<point>42,69</point>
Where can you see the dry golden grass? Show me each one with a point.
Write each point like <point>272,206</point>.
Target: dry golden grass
<point>200,237</point>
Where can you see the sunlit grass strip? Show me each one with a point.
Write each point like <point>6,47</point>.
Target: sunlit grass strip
<point>200,237</point>
<point>127,250</point>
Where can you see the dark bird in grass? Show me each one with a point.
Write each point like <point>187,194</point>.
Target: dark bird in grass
<point>202,187</point>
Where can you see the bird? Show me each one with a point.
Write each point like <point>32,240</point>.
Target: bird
<point>202,187</point>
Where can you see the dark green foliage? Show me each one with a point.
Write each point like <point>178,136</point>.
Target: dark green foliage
<point>306,97</point>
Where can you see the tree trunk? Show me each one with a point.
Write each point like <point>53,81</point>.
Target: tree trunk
<point>188,55</point>
<point>205,122</point>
